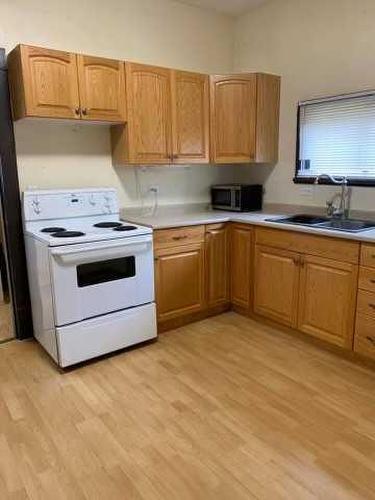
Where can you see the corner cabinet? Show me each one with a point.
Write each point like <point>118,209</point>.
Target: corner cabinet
<point>168,118</point>
<point>244,118</point>
<point>48,83</point>
<point>217,264</point>
<point>241,258</point>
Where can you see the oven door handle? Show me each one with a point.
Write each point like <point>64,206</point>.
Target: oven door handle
<point>74,256</point>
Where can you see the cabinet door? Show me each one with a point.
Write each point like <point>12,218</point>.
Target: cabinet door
<point>50,83</point>
<point>217,264</point>
<point>241,268</point>
<point>102,88</point>
<point>190,127</point>
<point>327,299</point>
<point>149,113</point>
<point>276,284</point>
<point>179,275</point>
<point>233,118</point>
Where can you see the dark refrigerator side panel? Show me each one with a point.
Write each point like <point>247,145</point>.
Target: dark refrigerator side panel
<point>11,208</point>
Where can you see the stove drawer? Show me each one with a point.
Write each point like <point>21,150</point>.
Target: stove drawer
<point>98,336</point>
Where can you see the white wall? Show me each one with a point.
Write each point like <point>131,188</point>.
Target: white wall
<point>160,32</point>
<point>319,47</point>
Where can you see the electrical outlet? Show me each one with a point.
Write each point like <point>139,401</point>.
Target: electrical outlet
<point>153,189</point>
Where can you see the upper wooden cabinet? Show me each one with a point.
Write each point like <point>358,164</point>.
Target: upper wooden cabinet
<point>54,84</point>
<point>43,83</point>
<point>101,88</point>
<point>149,114</point>
<point>168,119</point>
<point>190,117</point>
<point>245,118</point>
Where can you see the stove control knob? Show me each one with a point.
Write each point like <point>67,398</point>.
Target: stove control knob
<point>92,200</point>
<point>36,205</point>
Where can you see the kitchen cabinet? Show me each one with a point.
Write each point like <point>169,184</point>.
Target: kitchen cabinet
<point>48,83</point>
<point>276,284</point>
<point>179,275</point>
<point>190,117</point>
<point>327,299</point>
<point>244,118</point>
<point>217,264</point>
<point>241,243</point>
<point>305,288</point>
<point>102,88</point>
<point>179,272</point>
<point>168,118</point>
<point>43,83</point>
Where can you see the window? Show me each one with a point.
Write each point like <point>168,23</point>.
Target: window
<point>336,136</point>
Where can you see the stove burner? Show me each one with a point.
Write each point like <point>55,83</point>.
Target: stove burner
<point>125,228</point>
<point>52,229</point>
<point>108,224</point>
<point>67,234</point>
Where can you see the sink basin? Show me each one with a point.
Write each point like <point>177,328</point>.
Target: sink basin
<point>318,222</point>
<point>302,219</point>
<point>350,225</point>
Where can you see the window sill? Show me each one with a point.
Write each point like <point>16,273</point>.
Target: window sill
<point>327,182</point>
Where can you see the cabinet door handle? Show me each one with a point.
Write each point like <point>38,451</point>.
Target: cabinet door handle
<point>297,261</point>
<point>372,281</point>
<point>85,111</point>
<point>370,339</point>
<point>372,306</point>
<point>77,111</point>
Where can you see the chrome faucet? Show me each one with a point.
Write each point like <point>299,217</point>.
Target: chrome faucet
<point>343,210</point>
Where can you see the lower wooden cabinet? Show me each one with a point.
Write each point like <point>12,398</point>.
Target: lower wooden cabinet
<point>179,280</point>
<point>311,293</point>
<point>276,284</point>
<point>241,245</point>
<point>327,299</point>
<point>217,264</point>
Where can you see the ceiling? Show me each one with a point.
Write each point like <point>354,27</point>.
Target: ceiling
<point>232,7</point>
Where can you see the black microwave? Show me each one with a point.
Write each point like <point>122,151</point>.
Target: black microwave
<point>237,197</point>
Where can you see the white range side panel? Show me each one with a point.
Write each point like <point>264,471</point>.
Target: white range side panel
<point>41,295</point>
<point>101,335</point>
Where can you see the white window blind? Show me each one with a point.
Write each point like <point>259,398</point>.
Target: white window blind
<point>337,137</point>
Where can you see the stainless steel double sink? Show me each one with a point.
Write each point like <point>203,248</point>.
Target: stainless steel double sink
<point>318,222</point>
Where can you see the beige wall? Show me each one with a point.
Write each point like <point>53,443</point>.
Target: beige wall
<point>319,47</point>
<point>160,32</point>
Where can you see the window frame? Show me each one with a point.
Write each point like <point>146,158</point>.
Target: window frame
<point>310,180</point>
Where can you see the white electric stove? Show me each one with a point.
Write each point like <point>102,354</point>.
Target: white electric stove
<point>91,276</point>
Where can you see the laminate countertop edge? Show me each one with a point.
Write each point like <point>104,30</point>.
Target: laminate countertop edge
<point>172,217</point>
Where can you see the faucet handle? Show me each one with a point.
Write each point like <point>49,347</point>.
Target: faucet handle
<point>330,208</point>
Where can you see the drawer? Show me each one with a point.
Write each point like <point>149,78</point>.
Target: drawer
<point>167,238</point>
<point>364,338</point>
<point>368,255</point>
<point>366,279</point>
<point>322,246</point>
<point>366,303</point>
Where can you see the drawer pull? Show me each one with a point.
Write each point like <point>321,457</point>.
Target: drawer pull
<point>370,339</point>
<point>372,305</point>
<point>177,238</point>
<point>372,281</point>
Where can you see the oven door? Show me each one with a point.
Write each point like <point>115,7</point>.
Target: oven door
<point>92,279</point>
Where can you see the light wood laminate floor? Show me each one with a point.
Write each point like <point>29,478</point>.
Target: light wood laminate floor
<point>222,409</point>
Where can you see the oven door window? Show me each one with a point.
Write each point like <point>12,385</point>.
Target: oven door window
<point>222,197</point>
<point>104,271</point>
